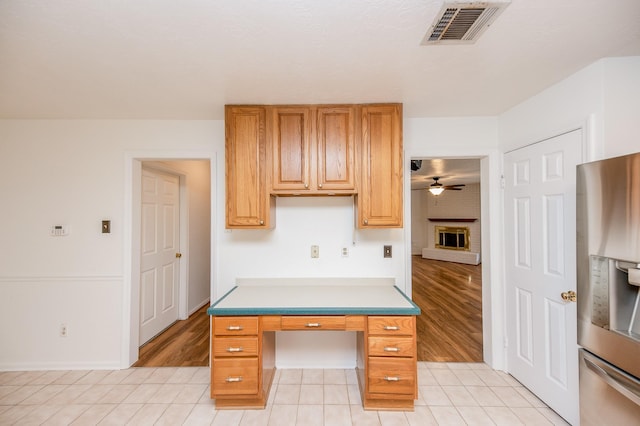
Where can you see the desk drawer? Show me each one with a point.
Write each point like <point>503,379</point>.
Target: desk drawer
<point>333,322</point>
<point>391,325</point>
<point>235,346</point>
<point>235,376</point>
<point>391,346</point>
<point>392,375</point>
<point>235,326</point>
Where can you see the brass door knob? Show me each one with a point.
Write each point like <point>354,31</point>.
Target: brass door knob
<point>178,255</point>
<point>569,296</point>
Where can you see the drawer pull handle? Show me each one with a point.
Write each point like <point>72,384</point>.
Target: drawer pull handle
<point>391,327</point>
<point>392,378</point>
<point>234,328</point>
<point>312,324</point>
<point>235,349</point>
<point>233,379</point>
<point>390,349</point>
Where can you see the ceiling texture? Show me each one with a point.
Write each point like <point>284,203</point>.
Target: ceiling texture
<point>171,59</point>
<point>451,171</point>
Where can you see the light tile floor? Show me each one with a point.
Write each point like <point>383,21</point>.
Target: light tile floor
<point>449,394</point>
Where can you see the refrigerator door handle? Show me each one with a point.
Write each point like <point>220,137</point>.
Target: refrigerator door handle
<point>625,385</point>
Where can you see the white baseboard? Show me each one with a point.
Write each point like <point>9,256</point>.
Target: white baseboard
<point>199,305</point>
<point>47,366</point>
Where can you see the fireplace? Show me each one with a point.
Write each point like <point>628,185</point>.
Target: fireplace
<point>452,237</point>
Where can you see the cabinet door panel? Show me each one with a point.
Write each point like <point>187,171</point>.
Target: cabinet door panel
<point>380,191</point>
<point>235,346</point>
<point>314,323</point>
<point>235,376</point>
<point>336,148</point>
<point>392,375</point>
<point>391,325</point>
<point>391,346</point>
<point>290,136</point>
<point>235,326</point>
<point>247,198</point>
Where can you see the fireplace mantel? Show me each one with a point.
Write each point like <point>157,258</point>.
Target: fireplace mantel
<point>449,219</point>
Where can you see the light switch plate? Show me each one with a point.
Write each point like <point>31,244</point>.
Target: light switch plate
<point>387,251</point>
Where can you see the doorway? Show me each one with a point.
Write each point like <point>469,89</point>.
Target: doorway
<point>196,185</point>
<point>447,278</point>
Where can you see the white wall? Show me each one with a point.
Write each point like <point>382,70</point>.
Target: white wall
<point>603,98</point>
<point>453,204</point>
<point>286,252</point>
<point>72,172</point>
<point>621,99</point>
<point>418,221</point>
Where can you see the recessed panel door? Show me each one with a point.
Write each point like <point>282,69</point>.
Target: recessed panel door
<point>540,244</point>
<point>159,253</point>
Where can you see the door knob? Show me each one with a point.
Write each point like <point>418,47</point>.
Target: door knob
<point>178,255</point>
<point>569,296</point>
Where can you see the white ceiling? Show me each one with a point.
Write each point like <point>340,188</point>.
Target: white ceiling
<point>451,171</point>
<point>185,59</point>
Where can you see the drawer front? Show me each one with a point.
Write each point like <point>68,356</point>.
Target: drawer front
<point>391,346</point>
<point>391,325</point>
<point>235,346</point>
<point>392,375</point>
<point>235,376</point>
<point>314,323</point>
<point>235,326</point>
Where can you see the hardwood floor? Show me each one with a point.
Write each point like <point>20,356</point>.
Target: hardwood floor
<point>184,344</point>
<point>450,297</point>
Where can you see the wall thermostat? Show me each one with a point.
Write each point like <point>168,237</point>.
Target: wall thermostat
<point>59,230</point>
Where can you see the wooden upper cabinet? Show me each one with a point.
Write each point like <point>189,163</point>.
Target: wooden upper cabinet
<point>248,203</point>
<point>313,150</point>
<point>336,158</point>
<point>290,133</point>
<point>380,189</point>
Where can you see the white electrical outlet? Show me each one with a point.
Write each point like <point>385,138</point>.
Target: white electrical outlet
<point>315,252</point>
<point>345,251</point>
<point>63,330</point>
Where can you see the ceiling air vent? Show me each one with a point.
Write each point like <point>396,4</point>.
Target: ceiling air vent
<point>462,23</point>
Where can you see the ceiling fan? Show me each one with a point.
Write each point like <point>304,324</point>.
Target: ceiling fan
<point>436,187</point>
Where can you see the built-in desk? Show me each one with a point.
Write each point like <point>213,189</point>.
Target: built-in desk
<point>244,322</point>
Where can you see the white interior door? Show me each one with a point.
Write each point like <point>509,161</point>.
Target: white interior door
<point>540,233</point>
<point>159,262</point>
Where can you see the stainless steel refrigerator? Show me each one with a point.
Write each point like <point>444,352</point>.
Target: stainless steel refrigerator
<point>608,291</point>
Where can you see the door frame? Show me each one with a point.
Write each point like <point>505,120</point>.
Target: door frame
<point>493,307</point>
<point>131,240</point>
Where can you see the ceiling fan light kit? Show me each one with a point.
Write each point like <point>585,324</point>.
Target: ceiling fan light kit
<point>436,191</point>
<point>437,188</point>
